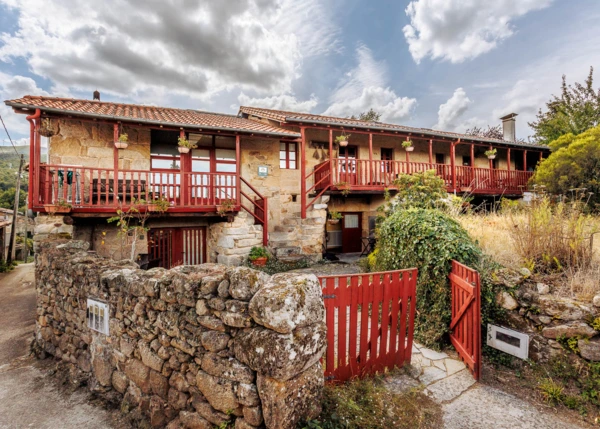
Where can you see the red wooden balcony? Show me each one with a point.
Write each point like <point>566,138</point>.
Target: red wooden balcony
<point>93,190</point>
<point>376,176</point>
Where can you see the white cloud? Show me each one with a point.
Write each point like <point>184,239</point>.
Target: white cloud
<point>195,49</point>
<point>365,87</point>
<point>457,30</point>
<point>12,87</point>
<point>279,102</point>
<point>452,110</point>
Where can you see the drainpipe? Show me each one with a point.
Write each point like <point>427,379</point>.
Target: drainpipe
<point>33,173</point>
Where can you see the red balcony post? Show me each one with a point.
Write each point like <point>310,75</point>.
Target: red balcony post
<point>370,169</point>
<point>453,163</point>
<point>525,160</point>
<point>33,166</point>
<point>330,157</point>
<point>238,163</point>
<point>115,165</point>
<point>472,155</point>
<point>303,172</point>
<point>407,153</point>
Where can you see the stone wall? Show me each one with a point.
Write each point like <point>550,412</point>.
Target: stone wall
<point>191,347</point>
<point>229,243</point>
<point>550,320</point>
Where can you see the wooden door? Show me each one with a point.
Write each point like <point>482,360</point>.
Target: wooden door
<point>465,325</point>
<point>170,247</point>
<point>348,165</point>
<point>351,232</point>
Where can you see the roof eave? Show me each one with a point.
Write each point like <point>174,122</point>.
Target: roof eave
<point>411,131</point>
<point>146,121</point>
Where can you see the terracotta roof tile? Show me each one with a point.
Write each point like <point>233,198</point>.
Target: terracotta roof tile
<point>286,116</point>
<point>149,114</point>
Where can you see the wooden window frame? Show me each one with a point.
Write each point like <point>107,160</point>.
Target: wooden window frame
<point>287,155</point>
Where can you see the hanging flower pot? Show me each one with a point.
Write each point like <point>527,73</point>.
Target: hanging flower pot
<point>410,148</point>
<point>122,142</point>
<point>491,154</point>
<point>342,140</point>
<point>183,149</point>
<point>408,145</point>
<point>333,221</point>
<point>184,145</point>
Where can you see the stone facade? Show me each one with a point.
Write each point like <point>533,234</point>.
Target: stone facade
<point>549,319</point>
<point>229,243</point>
<point>191,347</point>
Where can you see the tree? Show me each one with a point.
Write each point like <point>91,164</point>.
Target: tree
<point>370,115</point>
<point>7,199</point>
<point>575,111</point>
<point>491,133</point>
<point>573,164</point>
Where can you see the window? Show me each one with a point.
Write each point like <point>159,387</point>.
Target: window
<point>288,155</point>
<point>440,158</point>
<point>387,154</point>
<point>466,160</point>
<point>163,150</point>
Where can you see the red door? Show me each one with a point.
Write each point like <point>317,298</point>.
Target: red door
<point>351,232</point>
<point>170,247</point>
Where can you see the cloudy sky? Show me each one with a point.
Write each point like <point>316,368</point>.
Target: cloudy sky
<point>444,64</point>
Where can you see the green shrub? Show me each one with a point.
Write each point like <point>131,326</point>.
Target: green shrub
<point>423,190</point>
<point>258,252</point>
<point>428,240</point>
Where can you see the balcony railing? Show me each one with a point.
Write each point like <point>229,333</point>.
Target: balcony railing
<point>365,175</point>
<point>96,190</point>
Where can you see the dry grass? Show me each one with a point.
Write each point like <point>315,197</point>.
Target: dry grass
<point>495,232</point>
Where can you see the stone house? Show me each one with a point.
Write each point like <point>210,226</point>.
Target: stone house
<point>263,177</point>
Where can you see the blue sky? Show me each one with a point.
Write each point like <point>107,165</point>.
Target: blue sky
<point>445,64</point>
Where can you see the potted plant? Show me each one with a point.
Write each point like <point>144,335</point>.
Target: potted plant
<point>342,140</point>
<point>59,207</point>
<point>184,145</point>
<point>258,256</point>
<point>491,154</point>
<point>334,217</point>
<point>121,143</point>
<point>408,145</point>
<point>159,205</point>
<point>344,187</point>
<point>226,207</point>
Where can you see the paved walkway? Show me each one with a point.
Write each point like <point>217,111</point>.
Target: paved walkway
<point>467,404</point>
<point>29,397</point>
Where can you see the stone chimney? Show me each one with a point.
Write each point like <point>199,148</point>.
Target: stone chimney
<point>97,95</point>
<point>509,127</point>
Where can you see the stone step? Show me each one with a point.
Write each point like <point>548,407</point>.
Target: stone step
<point>280,236</point>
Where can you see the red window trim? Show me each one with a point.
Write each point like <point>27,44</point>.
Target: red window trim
<point>287,155</point>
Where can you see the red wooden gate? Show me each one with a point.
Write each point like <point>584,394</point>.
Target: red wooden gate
<point>370,322</point>
<point>170,247</point>
<point>465,327</point>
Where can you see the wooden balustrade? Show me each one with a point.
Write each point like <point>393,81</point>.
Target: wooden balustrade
<point>377,175</point>
<point>95,189</point>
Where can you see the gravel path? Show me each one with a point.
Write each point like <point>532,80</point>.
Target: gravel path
<point>29,397</point>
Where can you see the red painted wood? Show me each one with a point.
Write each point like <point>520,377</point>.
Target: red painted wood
<point>363,313</point>
<point>465,326</point>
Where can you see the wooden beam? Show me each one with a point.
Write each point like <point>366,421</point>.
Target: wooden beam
<point>508,159</point>
<point>453,163</point>
<point>115,162</point>
<point>525,160</point>
<point>491,161</point>
<point>406,153</point>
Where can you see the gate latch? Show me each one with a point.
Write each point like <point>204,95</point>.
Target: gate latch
<point>329,297</point>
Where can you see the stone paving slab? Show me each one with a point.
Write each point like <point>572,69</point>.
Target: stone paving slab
<point>451,387</point>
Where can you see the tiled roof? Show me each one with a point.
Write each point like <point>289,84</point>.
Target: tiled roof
<point>187,118</point>
<point>286,116</point>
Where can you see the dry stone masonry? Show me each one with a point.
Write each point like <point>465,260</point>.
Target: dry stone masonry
<point>192,347</point>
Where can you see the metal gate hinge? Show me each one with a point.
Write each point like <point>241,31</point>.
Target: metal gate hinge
<point>329,297</point>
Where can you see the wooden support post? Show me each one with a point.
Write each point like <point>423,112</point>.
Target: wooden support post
<point>331,161</point>
<point>303,172</point>
<point>491,161</point>
<point>370,169</point>
<point>453,163</point>
<point>238,172</point>
<point>541,156</point>
<point>508,159</point>
<point>407,154</point>
<point>472,155</point>
<point>431,151</point>
<point>116,165</point>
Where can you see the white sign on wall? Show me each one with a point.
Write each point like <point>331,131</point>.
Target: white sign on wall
<point>512,342</point>
<point>97,316</point>
<point>263,171</point>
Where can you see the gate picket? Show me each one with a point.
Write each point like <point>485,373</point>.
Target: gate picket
<point>465,326</point>
<point>370,322</point>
